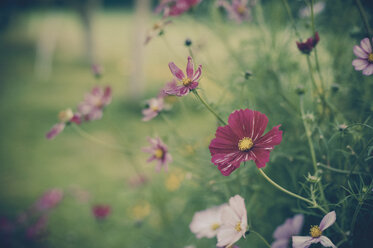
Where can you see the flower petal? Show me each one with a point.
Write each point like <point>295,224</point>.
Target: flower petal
<point>248,123</point>
<point>328,220</point>
<point>193,85</point>
<point>360,64</point>
<point>261,156</point>
<point>190,68</point>
<point>56,129</point>
<point>270,139</point>
<point>227,236</point>
<point>302,241</point>
<point>368,70</point>
<point>365,45</point>
<point>325,241</point>
<point>197,74</point>
<point>176,71</point>
<point>359,52</point>
<point>280,243</point>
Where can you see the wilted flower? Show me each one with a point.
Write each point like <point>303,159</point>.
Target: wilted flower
<point>206,223</point>
<point>49,200</point>
<point>238,10</point>
<point>65,117</point>
<point>234,222</point>
<point>38,228</point>
<point>101,211</point>
<point>159,152</point>
<point>189,82</point>
<point>284,232</point>
<point>307,46</point>
<point>94,102</point>
<point>241,140</point>
<point>364,62</point>
<point>175,7</point>
<point>316,234</point>
<point>157,29</point>
<point>154,107</point>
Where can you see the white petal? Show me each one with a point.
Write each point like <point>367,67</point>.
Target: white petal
<point>328,220</point>
<point>368,70</point>
<point>325,241</point>
<point>360,64</point>
<point>302,241</point>
<point>365,44</point>
<point>358,51</point>
<point>237,203</point>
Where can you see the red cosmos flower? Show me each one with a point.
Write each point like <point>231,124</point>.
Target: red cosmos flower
<point>241,140</point>
<point>101,211</point>
<point>306,47</point>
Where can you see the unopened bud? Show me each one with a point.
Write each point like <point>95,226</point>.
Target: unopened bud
<point>313,179</point>
<point>188,42</point>
<point>300,90</point>
<point>248,74</point>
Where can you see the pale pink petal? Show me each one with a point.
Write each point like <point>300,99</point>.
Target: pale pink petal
<point>359,52</point>
<point>325,241</point>
<point>365,45</point>
<point>302,241</point>
<point>328,220</point>
<point>280,243</point>
<point>368,70</point>
<point>190,68</point>
<point>360,64</point>
<point>237,203</point>
<point>176,71</point>
<point>56,129</point>
<point>227,236</point>
<point>197,74</point>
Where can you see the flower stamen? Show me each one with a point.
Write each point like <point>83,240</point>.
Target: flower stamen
<point>215,226</point>
<point>315,231</point>
<point>238,227</point>
<point>370,57</point>
<point>187,81</point>
<point>245,144</point>
<point>158,153</point>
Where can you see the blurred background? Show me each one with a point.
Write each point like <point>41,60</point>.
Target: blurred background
<point>47,51</point>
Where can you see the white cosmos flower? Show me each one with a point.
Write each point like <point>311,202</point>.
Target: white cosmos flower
<point>234,222</point>
<point>206,223</point>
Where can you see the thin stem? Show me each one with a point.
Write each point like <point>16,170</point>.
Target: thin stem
<point>287,7</point>
<point>314,204</point>
<point>311,74</point>
<point>209,107</point>
<point>312,149</point>
<point>365,20</point>
<point>339,170</point>
<point>86,135</point>
<point>261,237</point>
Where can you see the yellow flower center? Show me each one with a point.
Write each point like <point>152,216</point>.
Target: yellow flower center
<point>245,144</point>
<point>65,115</point>
<point>370,57</point>
<point>187,81</point>
<point>158,153</point>
<point>156,26</point>
<point>215,226</point>
<point>241,9</point>
<point>315,231</point>
<point>154,108</point>
<point>238,227</point>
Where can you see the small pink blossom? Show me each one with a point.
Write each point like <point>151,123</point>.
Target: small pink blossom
<point>49,200</point>
<point>159,152</point>
<point>175,7</point>
<point>94,103</point>
<point>66,117</point>
<point>316,234</point>
<point>154,107</point>
<point>206,223</point>
<point>101,211</point>
<point>364,61</point>
<point>241,140</point>
<point>188,82</point>
<point>284,232</point>
<point>234,222</point>
<point>307,46</point>
<point>238,10</point>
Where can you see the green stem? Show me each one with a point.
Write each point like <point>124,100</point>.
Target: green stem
<point>365,20</point>
<point>312,149</point>
<point>261,237</point>
<point>311,75</point>
<point>209,107</point>
<point>339,170</point>
<point>314,204</point>
<point>287,7</point>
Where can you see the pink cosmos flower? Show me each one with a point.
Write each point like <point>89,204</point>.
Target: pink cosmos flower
<point>241,140</point>
<point>284,232</point>
<point>66,117</point>
<point>364,62</point>
<point>316,234</point>
<point>238,10</point>
<point>101,211</point>
<point>175,7</point>
<point>94,102</point>
<point>49,200</point>
<point>307,46</point>
<point>155,106</point>
<point>189,82</point>
<point>234,222</point>
<point>169,85</point>
<point>206,223</point>
<point>159,152</point>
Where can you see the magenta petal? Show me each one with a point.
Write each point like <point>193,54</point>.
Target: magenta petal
<point>261,156</point>
<point>197,74</point>
<point>183,91</point>
<point>190,68</point>
<point>176,71</point>
<point>270,139</point>
<point>56,129</point>
<point>193,85</point>
<point>360,64</point>
<point>359,52</point>
<point>248,123</point>
<point>368,70</point>
<point>106,99</point>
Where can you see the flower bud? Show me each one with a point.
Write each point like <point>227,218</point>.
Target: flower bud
<point>335,87</point>
<point>300,90</point>
<point>188,42</point>
<point>313,179</point>
<point>66,115</point>
<point>248,74</point>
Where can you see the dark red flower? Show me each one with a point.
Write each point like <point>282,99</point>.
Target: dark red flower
<point>101,211</point>
<point>241,140</point>
<point>307,46</point>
